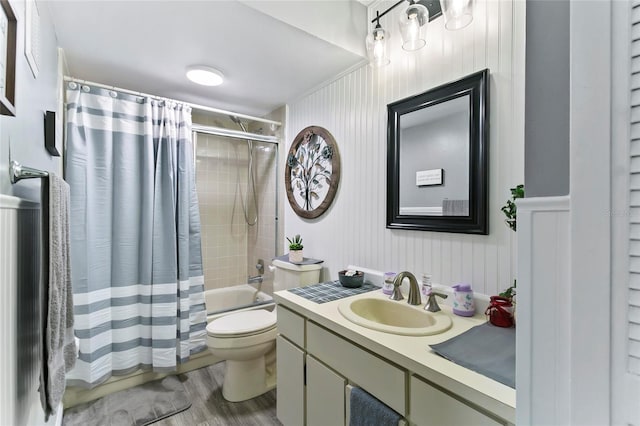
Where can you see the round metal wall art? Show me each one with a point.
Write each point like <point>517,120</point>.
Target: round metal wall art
<point>312,172</point>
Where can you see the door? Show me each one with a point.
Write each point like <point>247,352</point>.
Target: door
<point>290,387</point>
<point>625,214</point>
<point>325,395</point>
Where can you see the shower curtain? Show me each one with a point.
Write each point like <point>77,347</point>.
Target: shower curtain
<point>135,234</point>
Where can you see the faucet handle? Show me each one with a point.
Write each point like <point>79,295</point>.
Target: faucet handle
<point>397,294</point>
<point>432,302</point>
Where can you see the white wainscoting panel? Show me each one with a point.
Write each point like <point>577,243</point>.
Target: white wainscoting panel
<point>20,319</point>
<point>353,109</point>
<point>543,342</point>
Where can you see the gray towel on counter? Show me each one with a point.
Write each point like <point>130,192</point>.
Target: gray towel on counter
<point>60,345</point>
<point>485,349</point>
<point>365,410</point>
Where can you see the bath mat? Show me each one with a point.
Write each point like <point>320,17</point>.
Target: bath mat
<point>137,406</point>
<point>330,291</point>
<point>485,349</point>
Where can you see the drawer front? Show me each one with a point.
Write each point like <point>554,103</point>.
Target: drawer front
<point>381,379</point>
<point>291,325</point>
<point>431,406</point>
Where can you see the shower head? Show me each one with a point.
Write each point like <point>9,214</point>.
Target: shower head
<point>238,122</point>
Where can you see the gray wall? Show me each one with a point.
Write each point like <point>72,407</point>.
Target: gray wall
<point>34,96</point>
<point>26,133</point>
<point>439,144</point>
<point>547,98</point>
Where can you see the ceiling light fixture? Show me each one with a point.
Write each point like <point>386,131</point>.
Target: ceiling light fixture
<point>204,75</point>
<point>413,25</point>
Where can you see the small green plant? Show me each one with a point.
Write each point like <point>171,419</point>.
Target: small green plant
<point>296,243</point>
<point>510,292</point>
<point>510,209</point>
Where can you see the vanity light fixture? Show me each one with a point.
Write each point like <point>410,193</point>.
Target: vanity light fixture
<point>204,75</point>
<point>413,25</point>
<point>457,13</point>
<point>377,45</point>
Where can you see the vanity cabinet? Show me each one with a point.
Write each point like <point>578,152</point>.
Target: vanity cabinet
<point>317,367</point>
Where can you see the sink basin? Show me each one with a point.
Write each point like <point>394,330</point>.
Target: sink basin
<point>395,317</point>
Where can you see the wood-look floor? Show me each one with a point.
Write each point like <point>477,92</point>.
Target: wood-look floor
<point>209,408</point>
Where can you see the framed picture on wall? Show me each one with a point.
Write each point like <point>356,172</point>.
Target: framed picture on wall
<point>32,36</point>
<point>8,26</point>
<point>312,172</point>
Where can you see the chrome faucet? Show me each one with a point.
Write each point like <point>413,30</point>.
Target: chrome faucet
<point>432,302</point>
<point>414,290</point>
<point>256,279</point>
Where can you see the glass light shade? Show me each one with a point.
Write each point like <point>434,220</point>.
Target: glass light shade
<point>413,26</point>
<point>205,75</point>
<point>457,13</point>
<point>377,47</point>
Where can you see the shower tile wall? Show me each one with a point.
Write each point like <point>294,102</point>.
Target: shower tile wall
<point>224,231</point>
<point>231,248</point>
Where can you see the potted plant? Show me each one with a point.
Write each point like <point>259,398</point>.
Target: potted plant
<point>510,209</point>
<point>511,212</point>
<point>295,249</point>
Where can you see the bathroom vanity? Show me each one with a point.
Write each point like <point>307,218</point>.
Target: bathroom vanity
<point>321,355</point>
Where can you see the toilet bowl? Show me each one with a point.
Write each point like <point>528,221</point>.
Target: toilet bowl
<point>247,340</point>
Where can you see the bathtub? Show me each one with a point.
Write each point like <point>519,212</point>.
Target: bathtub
<point>236,298</point>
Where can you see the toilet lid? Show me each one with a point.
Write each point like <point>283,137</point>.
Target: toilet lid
<point>248,322</point>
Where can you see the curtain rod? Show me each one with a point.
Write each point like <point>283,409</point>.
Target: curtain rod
<point>219,131</point>
<point>192,105</point>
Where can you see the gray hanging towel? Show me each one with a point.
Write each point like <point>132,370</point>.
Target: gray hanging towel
<point>60,346</point>
<point>366,410</point>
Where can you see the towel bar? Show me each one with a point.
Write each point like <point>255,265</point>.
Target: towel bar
<point>18,172</point>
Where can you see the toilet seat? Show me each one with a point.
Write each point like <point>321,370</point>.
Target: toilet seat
<point>242,324</point>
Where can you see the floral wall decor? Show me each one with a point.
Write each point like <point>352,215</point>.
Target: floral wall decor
<point>312,173</point>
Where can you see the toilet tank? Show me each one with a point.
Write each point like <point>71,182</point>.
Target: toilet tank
<point>287,275</point>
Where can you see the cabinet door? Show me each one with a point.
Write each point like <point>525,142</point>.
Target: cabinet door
<point>432,407</point>
<point>325,395</point>
<point>290,387</point>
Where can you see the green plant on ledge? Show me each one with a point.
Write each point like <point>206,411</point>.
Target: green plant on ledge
<point>510,209</point>
<point>510,293</point>
<point>296,243</point>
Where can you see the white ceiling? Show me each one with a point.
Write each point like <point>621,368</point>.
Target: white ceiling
<point>146,46</point>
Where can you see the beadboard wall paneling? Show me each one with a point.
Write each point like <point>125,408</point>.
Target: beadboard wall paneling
<point>353,109</point>
<point>20,318</point>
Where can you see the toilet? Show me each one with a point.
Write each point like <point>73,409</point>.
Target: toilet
<point>247,340</point>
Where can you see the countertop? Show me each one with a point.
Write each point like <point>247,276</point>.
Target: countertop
<point>413,353</point>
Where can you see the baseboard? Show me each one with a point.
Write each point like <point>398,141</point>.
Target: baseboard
<point>75,395</point>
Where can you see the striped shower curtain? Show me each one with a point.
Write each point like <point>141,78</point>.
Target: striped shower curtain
<point>135,234</point>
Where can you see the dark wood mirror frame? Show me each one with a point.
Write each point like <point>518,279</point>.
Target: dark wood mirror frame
<point>477,222</point>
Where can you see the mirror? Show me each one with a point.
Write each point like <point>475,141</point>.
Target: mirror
<point>437,158</point>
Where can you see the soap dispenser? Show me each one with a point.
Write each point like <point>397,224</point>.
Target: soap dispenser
<point>463,303</point>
